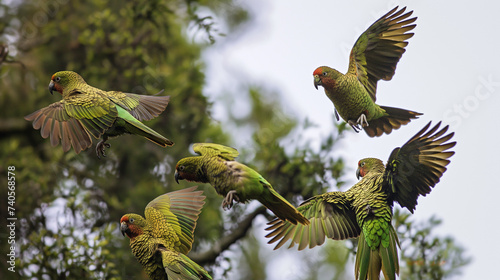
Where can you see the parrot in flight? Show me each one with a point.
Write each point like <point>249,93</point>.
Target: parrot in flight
<point>233,180</point>
<point>365,210</point>
<point>373,57</point>
<point>161,240</point>
<point>85,110</point>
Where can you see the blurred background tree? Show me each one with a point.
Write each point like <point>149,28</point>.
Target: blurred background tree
<point>68,206</point>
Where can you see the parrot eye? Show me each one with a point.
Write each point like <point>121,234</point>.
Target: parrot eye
<point>131,220</point>
<point>324,73</point>
<point>58,79</point>
<point>181,168</point>
<point>362,164</point>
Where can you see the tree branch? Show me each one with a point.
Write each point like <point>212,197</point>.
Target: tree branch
<point>223,244</point>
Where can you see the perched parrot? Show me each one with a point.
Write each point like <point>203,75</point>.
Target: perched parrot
<point>161,241</point>
<point>365,210</point>
<point>233,180</point>
<point>373,57</point>
<point>85,110</point>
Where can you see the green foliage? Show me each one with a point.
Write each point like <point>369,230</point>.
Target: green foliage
<point>134,46</point>
<point>424,255</point>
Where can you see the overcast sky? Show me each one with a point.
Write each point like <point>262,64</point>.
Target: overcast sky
<point>449,72</point>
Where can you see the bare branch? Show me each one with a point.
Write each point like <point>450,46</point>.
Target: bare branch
<point>240,230</point>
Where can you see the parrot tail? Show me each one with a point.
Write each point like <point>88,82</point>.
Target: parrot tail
<point>370,261</point>
<point>282,208</point>
<point>179,266</point>
<point>157,138</point>
<point>151,135</point>
<point>394,119</point>
<point>134,126</point>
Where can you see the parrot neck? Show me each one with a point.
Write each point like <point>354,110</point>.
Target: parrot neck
<point>332,80</point>
<point>201,174</point>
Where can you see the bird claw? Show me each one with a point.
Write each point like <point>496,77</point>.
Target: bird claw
<point>359,124</point>
<point>354,126</point>
<point>362,119</point>
<point>227,203</point>
<point>100,147</point>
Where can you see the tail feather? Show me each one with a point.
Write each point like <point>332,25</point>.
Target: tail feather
<point>138,128</point>
<point>180,266</point>
<point>282,208</point>
<point>369,262</point>
<point>155,137</point>
<point>395,119</point>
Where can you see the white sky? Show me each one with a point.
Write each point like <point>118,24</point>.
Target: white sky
<point>449,72</point>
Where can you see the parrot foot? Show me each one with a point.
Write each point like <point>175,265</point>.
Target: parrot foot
<point>359,124</point>
<point>100,147</point>
<point>354,126</point>
<point>362,119</point>
<point>227,203</point>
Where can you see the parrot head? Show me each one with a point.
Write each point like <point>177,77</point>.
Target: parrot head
<point>132,225</point>
<point>369,164</point>
<point>187,169</point>
<point>64,80</point>
<point>324,76</point>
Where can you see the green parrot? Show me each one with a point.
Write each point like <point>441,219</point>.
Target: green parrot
<point>373,57</point>
<point>233,180</point>
<point>365,210</point>
<point>161,241</point>
<point>85,110</point>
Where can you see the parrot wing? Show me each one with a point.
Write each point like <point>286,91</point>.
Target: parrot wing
<point>418,165</point>
<point>378,50</point>
<point>212,149</point>
<point>330,215</point>
<point>180,209</point>
<point>73,120</point>
<point>142,107</point>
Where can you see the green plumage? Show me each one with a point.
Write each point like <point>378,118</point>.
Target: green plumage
<point>161,241</point>
<point>365,210</point>
<point>86,111</point>
<point>373,57</point>
<point>233,180</point>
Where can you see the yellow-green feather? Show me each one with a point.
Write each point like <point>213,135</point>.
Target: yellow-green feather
<point>168,235</point>
<point>216,166</point>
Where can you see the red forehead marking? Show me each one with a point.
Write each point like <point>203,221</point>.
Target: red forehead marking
<point>124,219</point>
<point>53,77</point>
<point>318,71</point>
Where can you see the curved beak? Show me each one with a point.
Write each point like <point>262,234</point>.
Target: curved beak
<point>123,228</point>
<point>177,176</point>
<point>317,81</point>
<point>51,87</point>
<point>358,173</point>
